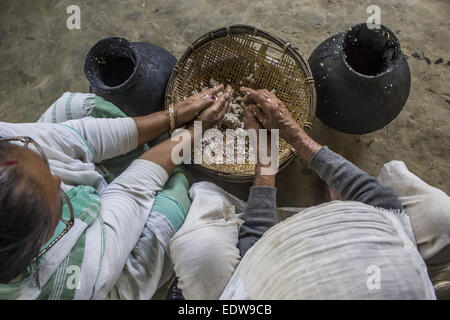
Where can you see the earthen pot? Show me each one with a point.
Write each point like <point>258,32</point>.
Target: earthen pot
<point>362,79</point>
<point>133,76</point>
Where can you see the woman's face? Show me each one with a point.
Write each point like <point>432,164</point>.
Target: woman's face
<point>35,167</point>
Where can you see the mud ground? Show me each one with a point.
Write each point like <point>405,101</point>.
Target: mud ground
<point>40,59</point>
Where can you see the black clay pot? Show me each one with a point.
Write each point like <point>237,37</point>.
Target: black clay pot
<point>362,79</point>
<point>133,76</point>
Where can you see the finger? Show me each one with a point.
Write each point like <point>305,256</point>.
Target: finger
<point>200,105</point>
<point>207,98</point>
<point>226,96</point>
<point>260,97</point>
<point>249,112</point>
<point>229,90</point>
<point>247,91</point>
<point>210,94</point>
<point>252,108</point>
<point>248,100</point>
<point>217,104</point>
<point>221,105</point>
<point>259,114</point>
<point>267,96</point>
<point>249,118</point>
<point>272,94</point>
<point>226,104</point>
<point>215,90</point>
<point>251,92</point>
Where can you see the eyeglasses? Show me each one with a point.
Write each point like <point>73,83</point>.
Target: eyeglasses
<point>68,223</point>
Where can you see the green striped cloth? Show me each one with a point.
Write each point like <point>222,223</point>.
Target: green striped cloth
<point>86,205</point>
<point>173,202</point>
<point>80,105</point>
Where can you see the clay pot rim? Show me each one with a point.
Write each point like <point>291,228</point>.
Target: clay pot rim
<point>124,85</point>
<point>384,72</point>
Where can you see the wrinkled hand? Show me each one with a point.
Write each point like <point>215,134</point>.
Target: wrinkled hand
<point>271,112</point>
<point>189,109</point>
<point>250,120</point>
<point>211,115</point>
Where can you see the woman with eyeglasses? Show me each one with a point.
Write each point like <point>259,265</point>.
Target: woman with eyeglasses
<point>87,209</point>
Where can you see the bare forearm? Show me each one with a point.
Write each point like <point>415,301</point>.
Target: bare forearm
<point>261,179</point>
<point>162,152</point>
<point>264,175</point>
<point>152,126</point>
<point>305,146</point>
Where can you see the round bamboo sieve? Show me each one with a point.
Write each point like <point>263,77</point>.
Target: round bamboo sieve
<point>231,55</point>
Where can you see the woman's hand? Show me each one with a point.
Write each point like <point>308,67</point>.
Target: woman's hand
<point>251,122</point>
<point>211,115</point>
<point>189,109</point>
<point>154,125</point>
<point>272,113</point>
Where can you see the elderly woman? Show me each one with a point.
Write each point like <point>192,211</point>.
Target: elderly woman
<point>361,247</point>
<point>65,233</point>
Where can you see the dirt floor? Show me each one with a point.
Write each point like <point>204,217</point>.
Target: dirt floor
<point>40,58</point>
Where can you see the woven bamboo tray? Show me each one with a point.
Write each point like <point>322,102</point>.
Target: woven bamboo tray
<point>230,55</point>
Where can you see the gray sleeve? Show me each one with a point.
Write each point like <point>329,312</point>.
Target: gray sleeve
<point>351,182</point>
<point>259,216</point>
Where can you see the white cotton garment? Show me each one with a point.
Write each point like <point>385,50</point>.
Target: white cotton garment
<point>126,203</point>
<point>204,251</point>
<point>335,250</point>
<point>73,146</point>
<point>428,209</point>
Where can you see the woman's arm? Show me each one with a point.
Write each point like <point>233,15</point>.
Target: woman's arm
<point>128,200</point>
<point>154,125</point>
<point>108,138</point>
<point>125,207</point>
<point>348,180</point>
<point>162,152</point>
<point>259,216</point>
<point>105,138</point>
<point>260,211</point>
<point>213,113</point>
